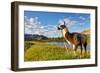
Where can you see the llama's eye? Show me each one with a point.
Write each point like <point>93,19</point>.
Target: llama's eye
<point>61,25</point>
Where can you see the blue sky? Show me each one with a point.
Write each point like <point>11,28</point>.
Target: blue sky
<point>46,23</point>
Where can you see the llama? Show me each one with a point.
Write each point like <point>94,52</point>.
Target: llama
<point>76,39</point>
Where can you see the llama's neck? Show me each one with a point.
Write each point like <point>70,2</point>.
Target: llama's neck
<point>67,37</point>
<point>64,31</point>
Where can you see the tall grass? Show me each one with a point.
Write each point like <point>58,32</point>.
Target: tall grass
<point>41,51</point>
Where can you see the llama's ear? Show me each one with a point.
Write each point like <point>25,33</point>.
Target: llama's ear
<point>64,23</point>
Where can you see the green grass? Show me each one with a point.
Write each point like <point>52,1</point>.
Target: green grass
<point>41,51</point>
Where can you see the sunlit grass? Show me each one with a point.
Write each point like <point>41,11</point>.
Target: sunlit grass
<point>41,51</point>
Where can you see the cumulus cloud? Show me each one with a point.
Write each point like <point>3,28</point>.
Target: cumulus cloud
<point>34,26</point>
<point>82,18</point>
<point>68,22</point>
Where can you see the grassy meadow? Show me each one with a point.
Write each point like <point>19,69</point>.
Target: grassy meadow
<point>42,51</point>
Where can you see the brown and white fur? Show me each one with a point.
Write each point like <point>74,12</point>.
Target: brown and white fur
<point>75,39</point>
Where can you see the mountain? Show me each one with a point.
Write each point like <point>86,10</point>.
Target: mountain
<point>34,37</point>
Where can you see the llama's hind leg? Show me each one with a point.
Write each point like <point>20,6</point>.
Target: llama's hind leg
<point>81,51</point>
<point>85,48</point>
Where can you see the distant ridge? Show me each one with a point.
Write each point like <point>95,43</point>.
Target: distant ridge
<point>87,31</point>
<point>34,37</point>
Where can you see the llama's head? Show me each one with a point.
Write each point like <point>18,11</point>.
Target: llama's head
<point>63,27</point>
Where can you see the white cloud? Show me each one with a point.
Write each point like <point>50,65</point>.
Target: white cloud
<point>34,26</point>
<point>82,18</point>
<point>67,21</point>
<point>81,24</point>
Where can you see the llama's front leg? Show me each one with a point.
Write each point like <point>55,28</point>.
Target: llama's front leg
<point>74,49</point>
<point>67,44</point>
<point>66,48</point>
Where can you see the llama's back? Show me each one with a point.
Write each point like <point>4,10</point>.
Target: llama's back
<point>80,37</point>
